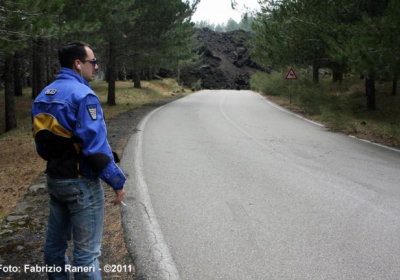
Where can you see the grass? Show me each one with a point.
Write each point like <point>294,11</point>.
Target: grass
<point>20,165</point>
<point>339,106</point>
<point>128,97</point>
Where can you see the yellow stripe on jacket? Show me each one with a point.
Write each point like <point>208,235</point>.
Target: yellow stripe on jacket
<point>48,122</point>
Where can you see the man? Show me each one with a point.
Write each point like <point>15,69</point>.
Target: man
<point>70,134</point>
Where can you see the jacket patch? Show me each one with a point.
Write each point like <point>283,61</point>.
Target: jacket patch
<point>92,108</point>
<point>51,91</point>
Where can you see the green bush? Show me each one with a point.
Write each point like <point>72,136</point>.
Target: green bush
<point>302,92</point>
<point>340,106</point>
<point>196,86</point>
<point>269,84</point>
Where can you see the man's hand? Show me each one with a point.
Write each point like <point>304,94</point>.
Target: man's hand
<point>119,197</point>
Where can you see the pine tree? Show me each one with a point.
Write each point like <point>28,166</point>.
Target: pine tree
<point>22,19</point>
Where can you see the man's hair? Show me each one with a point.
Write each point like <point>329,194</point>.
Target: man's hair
<point>71,51</point>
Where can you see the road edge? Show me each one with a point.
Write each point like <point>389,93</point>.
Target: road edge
<point>277,106</point>
<point>143,236</point>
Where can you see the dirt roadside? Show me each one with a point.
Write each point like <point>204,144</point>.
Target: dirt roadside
<point>23,231</point>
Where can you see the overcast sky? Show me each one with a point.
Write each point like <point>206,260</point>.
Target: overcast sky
<point>220,11</point>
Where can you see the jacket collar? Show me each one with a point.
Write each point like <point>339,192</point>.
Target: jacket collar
<point>66,73</point>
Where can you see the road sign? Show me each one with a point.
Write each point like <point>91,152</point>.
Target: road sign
<point>291,75</point>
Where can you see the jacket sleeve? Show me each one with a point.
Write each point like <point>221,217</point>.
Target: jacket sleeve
<point>92,130</point>
<point>40,148</point>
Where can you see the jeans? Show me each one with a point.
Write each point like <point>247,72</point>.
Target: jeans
<point>77,208</point>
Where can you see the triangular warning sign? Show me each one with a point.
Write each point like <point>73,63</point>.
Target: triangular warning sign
<point>291,75</point>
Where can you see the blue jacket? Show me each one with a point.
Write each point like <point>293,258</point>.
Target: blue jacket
<point>70,132</point>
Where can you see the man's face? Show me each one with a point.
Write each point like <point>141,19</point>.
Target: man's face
<point>88,67</point>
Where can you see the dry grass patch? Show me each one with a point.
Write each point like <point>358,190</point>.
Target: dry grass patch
<point>129,97</point>
<point>19,163</point>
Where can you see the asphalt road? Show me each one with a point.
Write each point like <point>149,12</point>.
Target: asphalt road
<point>229,186</point>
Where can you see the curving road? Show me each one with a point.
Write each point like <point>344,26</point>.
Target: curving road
<point>225,185</point>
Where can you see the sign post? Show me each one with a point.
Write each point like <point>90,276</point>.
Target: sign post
<point>291,75</point>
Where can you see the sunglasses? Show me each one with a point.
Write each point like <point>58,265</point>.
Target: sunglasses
<point>94,61</point>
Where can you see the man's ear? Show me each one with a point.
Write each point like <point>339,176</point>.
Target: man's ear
<point>77,65</point>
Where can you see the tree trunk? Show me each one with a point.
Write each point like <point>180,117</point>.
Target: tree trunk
<point>25,77</point>
<point>136,81</point>
<point>49,73</point>
<point>178,77</point>
<point>111,72</point>
<point>28,75</point>
<point>315,72</point>
<point>34,64</point>
<point>38,72</point>
<point>370,91</point>
<point>11,120</point>
<point>394,86</point>
<point>121,75</point>
<point>41,75</point>
<point>149,75</point>
<point>337,75</point>
<point>17,74</point>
